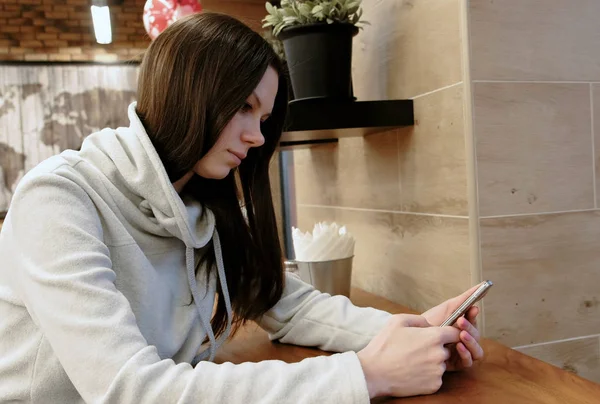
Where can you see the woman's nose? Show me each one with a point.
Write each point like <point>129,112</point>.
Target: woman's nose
<point>254,137</point>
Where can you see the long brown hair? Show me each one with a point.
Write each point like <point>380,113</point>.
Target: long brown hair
<point>193,79</point>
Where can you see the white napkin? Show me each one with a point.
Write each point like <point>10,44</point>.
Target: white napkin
<point>327,242</point>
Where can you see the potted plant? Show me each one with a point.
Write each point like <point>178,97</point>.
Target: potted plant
<point>317,39</point>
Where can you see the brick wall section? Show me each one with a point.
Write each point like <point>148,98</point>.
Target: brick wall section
<point>62,30</point>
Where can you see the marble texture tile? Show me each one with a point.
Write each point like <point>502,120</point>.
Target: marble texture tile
<point>596,129</point>
<point>534,147</point>
<point>410,48</point>
<point>546,274</point>
<point>580,356</point>
<point>359,172</point>
<point>316,174</point>
<point>551,40</point>
<point>433,167</point>
<point>274,175</point>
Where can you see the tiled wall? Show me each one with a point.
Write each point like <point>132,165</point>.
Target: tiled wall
<point>534,68</point>
<point>498,179</point>
<point>403,194</point>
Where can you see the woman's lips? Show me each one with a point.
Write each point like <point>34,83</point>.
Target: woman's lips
<point>238,157</point>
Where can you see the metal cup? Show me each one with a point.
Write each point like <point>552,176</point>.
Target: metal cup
<point>333,277</point>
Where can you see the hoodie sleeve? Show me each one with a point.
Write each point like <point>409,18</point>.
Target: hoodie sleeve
<point>62,273</point>
<point>305,316</point>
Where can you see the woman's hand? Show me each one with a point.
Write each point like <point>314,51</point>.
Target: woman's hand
<point>407,358</point>
<point>468,350</point>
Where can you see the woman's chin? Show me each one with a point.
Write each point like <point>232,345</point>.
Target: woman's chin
<point>222,175</point>
<point>217,174</point>
<point>214,172</point>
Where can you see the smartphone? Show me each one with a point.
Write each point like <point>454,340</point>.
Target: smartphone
<point>467,304</point>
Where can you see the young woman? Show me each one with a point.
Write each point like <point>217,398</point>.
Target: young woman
<point>115,256</point>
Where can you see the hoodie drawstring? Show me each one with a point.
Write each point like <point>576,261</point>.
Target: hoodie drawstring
<point>224,289</point>
<point>189,258</point>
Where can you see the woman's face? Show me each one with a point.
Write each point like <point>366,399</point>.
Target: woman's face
<point>242,132</point>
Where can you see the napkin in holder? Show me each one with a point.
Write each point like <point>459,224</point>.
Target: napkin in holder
<point>324,258</point>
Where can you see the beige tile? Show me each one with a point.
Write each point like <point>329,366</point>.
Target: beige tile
<point>535,40</point>
<point>316,174</point>
<point>596,117</point>
<point>430,259</point>
<point>545,270</point>
<point>581,356</point>
<point>433,169</point>
<point>534,151</point>
<point>276,193</point>
<point>369,172</point>
<point>359,172</point>
<point>308,216</point>
<point>410,48</point>
<point>415,260</point>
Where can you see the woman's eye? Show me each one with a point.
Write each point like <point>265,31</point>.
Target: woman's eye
<point>247,107</point>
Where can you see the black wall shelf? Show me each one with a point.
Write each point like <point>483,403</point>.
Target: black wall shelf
<point>317,121</point>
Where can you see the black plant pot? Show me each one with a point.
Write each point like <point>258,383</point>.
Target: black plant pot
<point>319,58</point>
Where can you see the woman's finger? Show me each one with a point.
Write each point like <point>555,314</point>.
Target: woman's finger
<point>464,325</point>
<point>465,356</point>
<point>472,315</point>
<point>447,351</point>
<point>475,350</point>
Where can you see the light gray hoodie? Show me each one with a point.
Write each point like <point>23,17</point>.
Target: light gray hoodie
<point>99,301</point>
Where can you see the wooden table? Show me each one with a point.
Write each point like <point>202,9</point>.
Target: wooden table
<point>505,376</point>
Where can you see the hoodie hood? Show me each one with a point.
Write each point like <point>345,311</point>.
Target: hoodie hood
<point>127,157</point>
